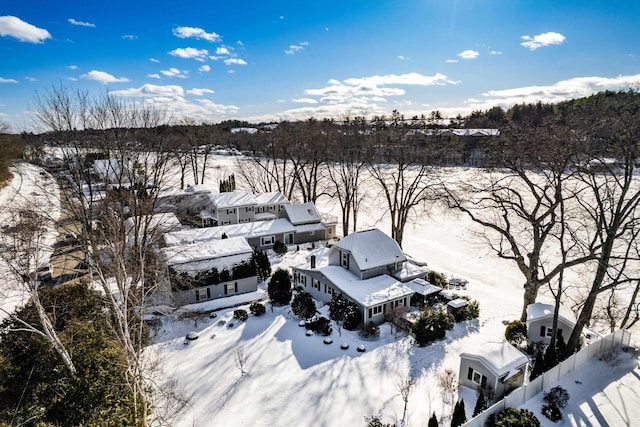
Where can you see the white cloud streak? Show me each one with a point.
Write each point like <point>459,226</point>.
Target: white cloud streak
<point>3,80</point>
<point>295,48</point>
<point>235,61</point>
<point>199,91</point>
<point>544,39</point>
<point>196,33</point>
<point>80,23</point>
<point>12,26</point>
<point>174,72</point>
<point>204,68</point>
<point>103,77</point>
<point>148,90</point>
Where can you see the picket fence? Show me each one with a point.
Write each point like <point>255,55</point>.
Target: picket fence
<point>550,378</point>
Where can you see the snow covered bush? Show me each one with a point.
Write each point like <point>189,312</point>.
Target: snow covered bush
<point>257,309</point>
<point>240,314</point>
<point>303,305</point>
<point>369,330</point>
<point>280,248</point>
<point>557,398</point>
<point>516,332</point>
<point>513,417</point>
<point>432,325</point>
<point>321,325</point>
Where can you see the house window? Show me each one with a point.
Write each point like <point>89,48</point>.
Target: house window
<point>230,211</point>
<point>202,294</point>
<point>268,240</point>
<point>231,288</point>
<point>377,309</point>
<point>312,233</point>
<point>345,259</point>
<point>477,377</point>
<point>248,209</point>
<point>547,332</point>
<point>244,220</point>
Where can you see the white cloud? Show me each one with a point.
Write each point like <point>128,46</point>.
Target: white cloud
<point>294,48</point>
<point>563,90</point>
<point>199,92</point>
<point>147,90</point>
<point>80,23</point>
<point>72,67</point>
<point>469,54</point>
<point>174,72</point>
<point>495,52</point>
<point>154,60</point>
<point>129,37</point>
<point>402,79</point>
<point>234,61</point>
<point>154,76</point>
<point>204,68</point>
<point>3,80</point>
<point>544,39</point>
<point>451,61</point>
<point>222,51</point>
<point>402,58</point>
<point>196,33</point>
<point>15,27</point>
<point>190,53</point>
<point>305,100</point>
<point>103,77</point>
<point>31,79</point>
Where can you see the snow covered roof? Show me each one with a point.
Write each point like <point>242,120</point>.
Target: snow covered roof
<point>424,288</point>
<point>161,223</point>
<point>458,303</point>
<point>109,169</point>
<point>501,357</point>
<point>538,311</point>
<point>371,248</point>
<point>236,247</point>
<point>263,216</point>
<point>272,198</point>
<point>368,292</point>
<point>303,213</point>
<point>247,229</point>
<point>232,199</point>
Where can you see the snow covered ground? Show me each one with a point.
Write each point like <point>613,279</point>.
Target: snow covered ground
<point>295,379</point>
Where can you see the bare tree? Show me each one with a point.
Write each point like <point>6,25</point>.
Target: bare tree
<point>348,155</point>
<point>241,358</point>
<point>403,174</point>
<point>405,387</point>
<point>114,204</point>
<point>25,262</point>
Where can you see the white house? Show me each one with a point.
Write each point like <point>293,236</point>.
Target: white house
<point>360,266</point>
<point>210,269</point>
<point>540,323</point>
<point>237,207</point>
<point>496,365</point>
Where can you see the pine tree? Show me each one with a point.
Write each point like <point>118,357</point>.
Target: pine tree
<point>481,404</point>
<point>459,417</point>
<point>550,358</point>
<point>561,348</point>
<point>538,366</point>
<point>433,421</point>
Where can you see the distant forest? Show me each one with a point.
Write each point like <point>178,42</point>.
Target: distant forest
<point>599,119</point>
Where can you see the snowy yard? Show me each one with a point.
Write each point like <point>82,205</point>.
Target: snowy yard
<point>295,379</point>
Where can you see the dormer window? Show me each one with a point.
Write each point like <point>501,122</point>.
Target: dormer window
<point>344,259</point>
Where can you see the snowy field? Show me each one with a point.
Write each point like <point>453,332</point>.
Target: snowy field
<point>295,379</point>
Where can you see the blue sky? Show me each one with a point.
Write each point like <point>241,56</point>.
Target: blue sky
<point>287,60</point>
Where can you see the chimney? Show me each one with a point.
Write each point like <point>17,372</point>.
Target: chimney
<point>313,261</point>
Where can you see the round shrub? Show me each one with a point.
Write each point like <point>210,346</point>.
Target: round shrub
<point>369,330</point>
<point>432,325</point>
<point>321,325</point>
<point>280,248</point>
<point>240,314</point>
<point>279,287</point>
<point>516,332</point>
<point>513,417</point>
<point>257,309</point>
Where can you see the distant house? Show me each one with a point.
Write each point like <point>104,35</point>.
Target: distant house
<point>540,323</point>
<point>310,225</point>
<point>360,266</point>
<point>496,365</point>
<point>153,226</point>
<point>263,234</point>
<point>210,269</point>
<point>238,207</point>
<point>111,171</point>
